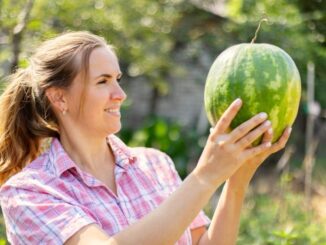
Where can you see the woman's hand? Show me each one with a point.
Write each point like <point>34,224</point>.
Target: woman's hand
<point>224,152</point>
<point>247,170</point>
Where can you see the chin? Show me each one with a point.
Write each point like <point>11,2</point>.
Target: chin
<point>114,130</point>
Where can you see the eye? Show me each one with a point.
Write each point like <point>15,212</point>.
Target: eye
<point>102,81</point>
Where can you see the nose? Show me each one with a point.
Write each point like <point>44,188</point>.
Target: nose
<point>118,93</point>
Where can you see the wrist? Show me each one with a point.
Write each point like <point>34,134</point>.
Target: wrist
<point>205,181</point>
<point>237,185</point>
<point>243,176</point>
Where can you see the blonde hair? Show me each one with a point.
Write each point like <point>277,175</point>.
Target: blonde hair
<point>26,116</point>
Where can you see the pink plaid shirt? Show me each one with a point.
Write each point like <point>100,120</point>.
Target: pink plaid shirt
<point>51,198</point>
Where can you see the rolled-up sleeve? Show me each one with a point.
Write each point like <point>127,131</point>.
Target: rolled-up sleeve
<point>36,217</point>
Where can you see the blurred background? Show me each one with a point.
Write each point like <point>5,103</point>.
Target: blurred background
<point>166,48</point>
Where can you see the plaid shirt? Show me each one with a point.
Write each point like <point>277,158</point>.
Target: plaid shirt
<point>52,198</point>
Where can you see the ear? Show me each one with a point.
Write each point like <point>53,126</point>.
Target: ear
<point>56,96</point>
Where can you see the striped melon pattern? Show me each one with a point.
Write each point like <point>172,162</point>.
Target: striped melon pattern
<point>263,76</point>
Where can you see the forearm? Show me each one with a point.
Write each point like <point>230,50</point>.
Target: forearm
<point>225,222</point>
<point>167,223</point>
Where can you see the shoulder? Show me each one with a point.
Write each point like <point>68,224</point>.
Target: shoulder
<point>32,171</point>
<point>34,178</point>
<point>157,164</point>
<point>34,197</point>
<point>151,162</point>
<point>149,152</point>
<point>153,157</point>
<point>120,148</point>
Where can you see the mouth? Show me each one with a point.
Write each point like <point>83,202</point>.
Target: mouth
<point>113,111</point>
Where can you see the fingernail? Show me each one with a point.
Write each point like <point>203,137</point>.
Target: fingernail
<point>263,115</point>
<point>238,101</point>
<point>211,130</point>
<point>268,144</point>
<point>270,131</point>
<point>289,130</point>
<point>267,123</point>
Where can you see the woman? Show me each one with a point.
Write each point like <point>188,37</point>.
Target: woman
<point>90,188</point>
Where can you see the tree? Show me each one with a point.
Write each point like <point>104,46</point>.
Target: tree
<point>18,30</point>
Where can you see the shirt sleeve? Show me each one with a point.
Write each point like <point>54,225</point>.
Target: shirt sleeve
<point>174,178</point>
<point>36,217</point>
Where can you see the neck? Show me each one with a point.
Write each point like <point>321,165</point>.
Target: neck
<point>89,153</point>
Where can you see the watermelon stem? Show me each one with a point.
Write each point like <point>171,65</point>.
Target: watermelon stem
<point>264,18</point>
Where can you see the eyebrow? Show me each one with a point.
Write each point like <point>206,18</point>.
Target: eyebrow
<point>107,75</point>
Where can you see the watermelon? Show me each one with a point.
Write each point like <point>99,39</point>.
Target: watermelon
<point>266,79</point>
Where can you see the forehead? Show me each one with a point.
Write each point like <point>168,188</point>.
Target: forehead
<point>103,60</point>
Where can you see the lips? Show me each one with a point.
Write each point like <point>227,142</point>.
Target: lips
<point>113,111</point>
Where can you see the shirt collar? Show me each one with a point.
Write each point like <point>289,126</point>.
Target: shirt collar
<point>60,158</point>
<point>122,153</point>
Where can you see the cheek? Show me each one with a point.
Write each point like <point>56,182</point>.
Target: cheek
<point>95,101</point>
<point>73,105</point>
<point>74,99</point>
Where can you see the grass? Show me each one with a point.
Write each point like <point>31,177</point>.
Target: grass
<point>279,215</point>
<point>281,220</point>
<point>283,217</point>
<point>2,231</point>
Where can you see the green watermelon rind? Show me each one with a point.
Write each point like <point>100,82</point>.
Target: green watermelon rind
<point>266,79</point>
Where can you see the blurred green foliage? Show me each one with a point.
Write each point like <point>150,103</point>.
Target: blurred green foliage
<point>280,220</point>
<point>2,230</point>
<point>138,29</point>
<point>295,26</point>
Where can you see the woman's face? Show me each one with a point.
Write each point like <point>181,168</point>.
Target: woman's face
<point>100,112</point>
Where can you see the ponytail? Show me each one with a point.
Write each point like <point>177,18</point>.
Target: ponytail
<point>24,122</point>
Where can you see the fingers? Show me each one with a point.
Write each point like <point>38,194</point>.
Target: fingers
<point>251,152</point>
<point>268,136</point>
<point>247,126</point>
<point>266,147</point>
<point>224,123</point>
<point>253,135</point>
<point>280,144</point>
